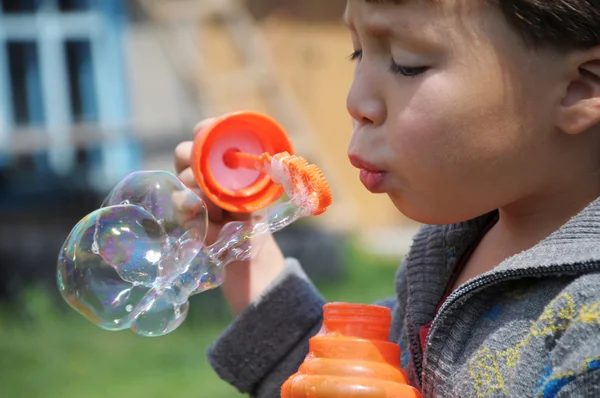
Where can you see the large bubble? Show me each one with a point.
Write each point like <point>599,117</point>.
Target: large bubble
<point>149,230</point>
<point>134,263</point>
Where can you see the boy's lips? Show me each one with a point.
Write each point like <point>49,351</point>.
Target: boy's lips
<point>370,176</point>
<point>359,163</point>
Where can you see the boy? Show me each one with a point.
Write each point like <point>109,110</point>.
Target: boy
<point>481,120</point>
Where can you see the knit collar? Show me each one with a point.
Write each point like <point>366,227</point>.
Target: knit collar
<point>436,251</point>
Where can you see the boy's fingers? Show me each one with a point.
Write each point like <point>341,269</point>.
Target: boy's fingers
<point>187,208</point>
<point>187,177</point>
<point>203,124</point>
<point>215,213</point>
<point>219,216</point>
<point>183,153</point>
<point>212,233</point>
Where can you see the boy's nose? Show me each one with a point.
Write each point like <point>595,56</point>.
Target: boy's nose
<point>364,106</point>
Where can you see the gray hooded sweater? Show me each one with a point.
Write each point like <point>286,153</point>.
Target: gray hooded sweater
<point>528,328</point>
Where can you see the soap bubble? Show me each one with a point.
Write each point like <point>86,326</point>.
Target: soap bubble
<point>134,262</point>
<point>160,312</point>
<point>90,283</point>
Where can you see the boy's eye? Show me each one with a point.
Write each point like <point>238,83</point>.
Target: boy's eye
<point>407,71</point>
<point>357,54</point>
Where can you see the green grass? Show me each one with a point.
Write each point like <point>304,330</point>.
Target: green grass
<point>53,353</point>
<point>369,278</point>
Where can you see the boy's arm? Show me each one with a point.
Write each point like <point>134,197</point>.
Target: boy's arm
<point>268,341</point>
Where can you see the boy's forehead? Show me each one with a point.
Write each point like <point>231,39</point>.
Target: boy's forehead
<point>409,11</point>
<point>377,3</point>
<point>375,6</point>
<point>426,23</point>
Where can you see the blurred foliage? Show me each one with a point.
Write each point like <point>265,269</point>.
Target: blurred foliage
<point>47,350</point>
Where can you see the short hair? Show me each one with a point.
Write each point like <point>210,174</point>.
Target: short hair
<point>561,24</point>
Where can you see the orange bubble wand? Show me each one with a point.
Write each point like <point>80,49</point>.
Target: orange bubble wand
<point>244,162</point>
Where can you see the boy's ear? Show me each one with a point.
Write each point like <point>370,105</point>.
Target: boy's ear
<point>580,107</point>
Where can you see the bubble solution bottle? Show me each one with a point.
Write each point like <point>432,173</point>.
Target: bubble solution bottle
<point>351,357</point>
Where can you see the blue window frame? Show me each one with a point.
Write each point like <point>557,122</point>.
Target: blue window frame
<point>61,64</point>
<point>73,5</point>
<point>20,6</point>
<point>82,90</point>
<point>25,84</point>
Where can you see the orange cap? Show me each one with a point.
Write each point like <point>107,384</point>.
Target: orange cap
<point>239,190</point>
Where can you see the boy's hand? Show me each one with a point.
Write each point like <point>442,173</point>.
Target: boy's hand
<point>217,216</point>
<point>245,280</point>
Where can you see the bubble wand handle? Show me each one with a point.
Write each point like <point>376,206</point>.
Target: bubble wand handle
<point>308,193</point>
<point>236,159</point>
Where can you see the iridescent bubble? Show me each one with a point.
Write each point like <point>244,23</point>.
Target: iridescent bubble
<point>134,263</point>
<point>205,273</point>
<point>160,312</point>
<point>178,258</point>
<point>92,285</point>
<point>174,206</point>
<point>129,239</point>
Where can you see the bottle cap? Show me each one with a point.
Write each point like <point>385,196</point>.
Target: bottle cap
<point>238,189</point>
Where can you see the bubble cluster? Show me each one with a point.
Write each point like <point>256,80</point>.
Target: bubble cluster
<point>134,262</point>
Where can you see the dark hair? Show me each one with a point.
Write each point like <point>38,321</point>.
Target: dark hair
<point>562,24</point>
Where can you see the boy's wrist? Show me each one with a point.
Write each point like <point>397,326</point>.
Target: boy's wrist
<point>247,280</point>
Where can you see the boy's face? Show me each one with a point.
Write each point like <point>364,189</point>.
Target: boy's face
<point>451,110</point>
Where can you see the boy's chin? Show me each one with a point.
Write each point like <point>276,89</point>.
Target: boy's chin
<point>430,215</point>
<point>404,206</point>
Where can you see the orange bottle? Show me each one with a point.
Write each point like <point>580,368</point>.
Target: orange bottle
<point>351,357</point>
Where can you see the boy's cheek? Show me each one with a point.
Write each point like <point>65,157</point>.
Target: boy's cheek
<point>432,153</point>
<point>421,135</point>
<point>450,127</point>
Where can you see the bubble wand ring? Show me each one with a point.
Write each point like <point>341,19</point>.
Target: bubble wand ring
<point>133,263</point>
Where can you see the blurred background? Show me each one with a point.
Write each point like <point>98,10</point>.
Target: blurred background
<point>91,90</point>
